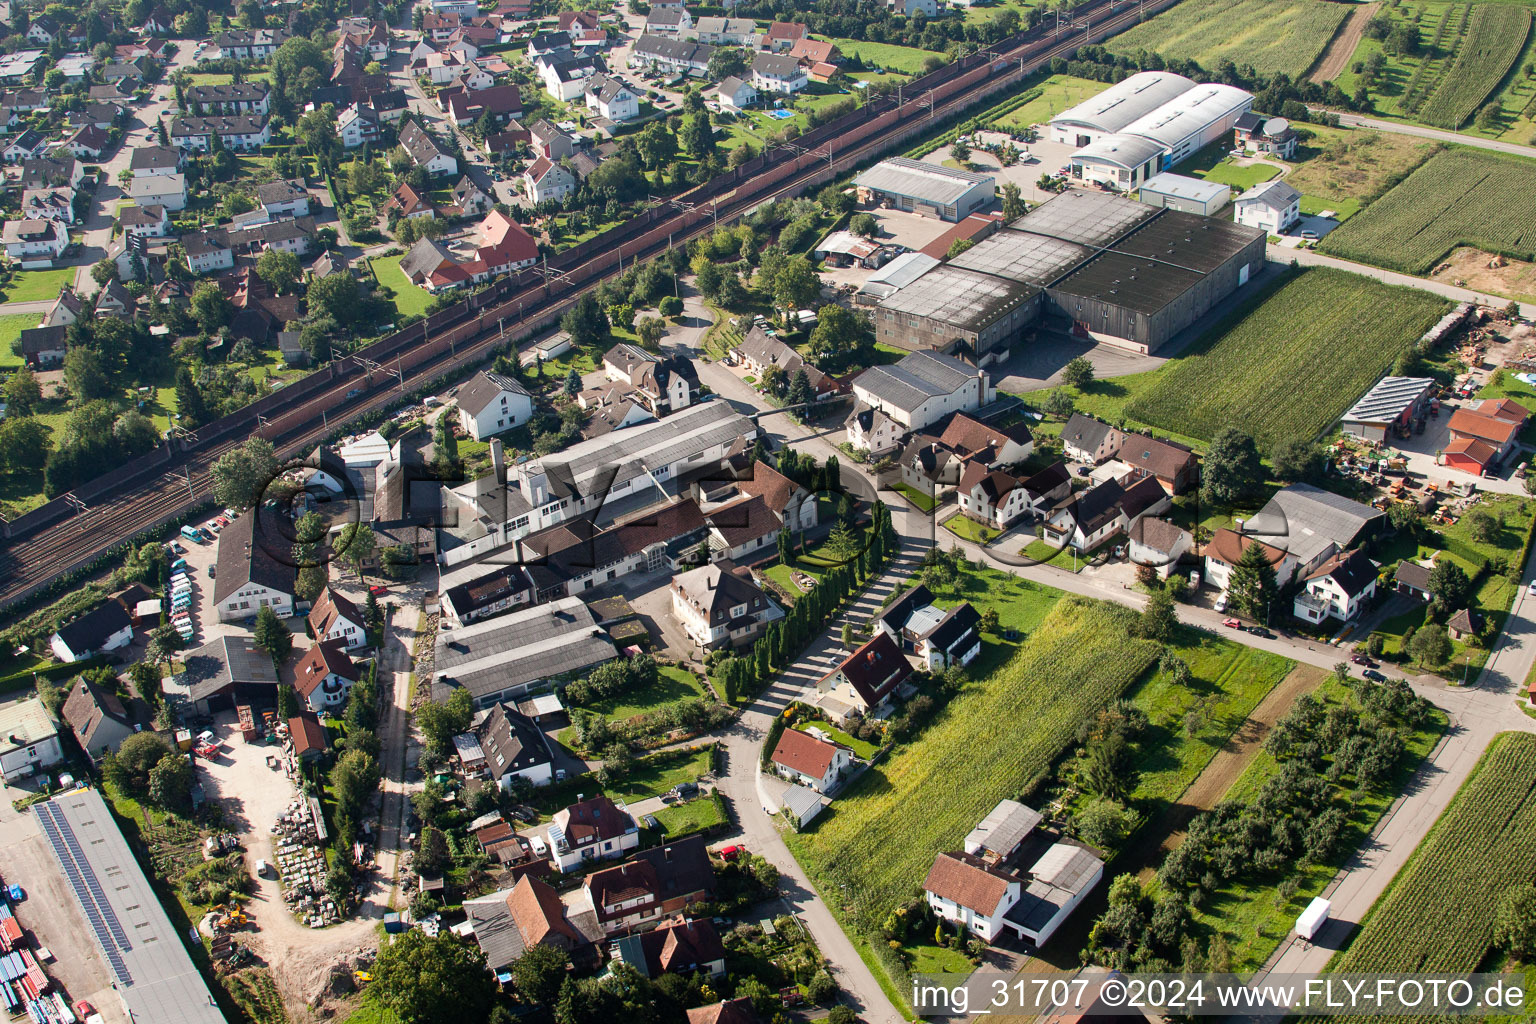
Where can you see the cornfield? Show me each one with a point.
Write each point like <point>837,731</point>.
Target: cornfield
<point>993,741</point>
<point>1497,35</point>
<point>257,995</point>
<point>1438,915</point>
<point>1272,35</point>
<point>1288,367</point>
<point>1458,197</point>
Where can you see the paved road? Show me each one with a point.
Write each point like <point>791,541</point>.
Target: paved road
<point>1313,258</point>
<point>1439,135</point>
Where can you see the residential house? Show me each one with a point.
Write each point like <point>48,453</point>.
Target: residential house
<point>542,43</point>
<point>678,55</point>
<point>504,103</point>
<point>1226,547</point>
<point>44,348</point>
<point>240,132</point>
<point>727,1011</point>
<point>307,736</point>
<point>549,141</point>
<point>152,161</point>
<point>1271,136</point>
<point>492,403</point>
<point>29,739</point>
<point>970,893</point>
<point>34,243</point>
<point>1312,525</point>
<point>101,720</point>
<point>666,384</point>
<point>1495,422</point>
<point>922,388</point>
<point>611,98</point>
<point>56,202</point>
<point>66,309</point>
<point>743,531</point>
<point>335,617</point>
<point>145,221</point>
<point>113,300</point>
<point>357,126</point>
<point>565,77</point>
<point>668,22</point>
<point>250,44</point>
<point>410,204</point>
<point>30,143</point>
<point>250,577</point>
<point>735,94</point>
<point>545,179</point>
<point>727,32</point>
<point>1158,543</point>
<point>865,680</point>
<point>230,98</point>
<point>1412,579</point>
<point>678,946</point>
<point>652,885</point>
<point>778,73</point>
<point>43,29</point>
<point>168,191</point>
<point>531,913</point>
<point>872,431</point>
<point>782,35</point>
<point>480,591</point>
<point>1085,439</point>
<point>158,23</point>
<point>719,608</point>
<point>323,676</point>
<point>1083,522</point>
<point>469,199</point>
<point>208,251</point>
<point>283,199</point>
<point>939,638</point>
<point>515,747</point>
<point>107,627</point>
<point>1337,589</point>
<point>1000,499</point>
<point>807,760</point>
<point>88,143</point>
<point>793,504</point>
<point>1272,206</point>
<point>424,151</point>
<point>594,829</point>
<point>810,52</point>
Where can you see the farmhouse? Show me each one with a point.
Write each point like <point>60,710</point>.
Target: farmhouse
<point>679,946</point>
<point>1085,521</point>
<point>928,189</point>
<point>531,914</point>
<point>1494,425</point>
<point>807,760</point>
<point>250,575</point>
<point>1158,543</point>
<point>100,719</point>
<point>1311,525</point>
<point>1394,406</point>
<point>967,891</point>
<point>779,74</point>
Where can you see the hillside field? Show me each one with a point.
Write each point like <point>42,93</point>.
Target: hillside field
<point>1459,197</point>
<point>1272,35</point>
<point>1451,887</point>
<point>1495,37</point>
<point>1278,369</point>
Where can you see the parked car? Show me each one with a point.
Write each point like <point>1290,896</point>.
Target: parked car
<point>651,823</point>
<point>378,590</point>
<point>1232,623</point>
<point>1260,631</point>
<point>731,852</point>
<point>1360,659</point>
<point>1374,676</point>
<point>1532,588</point>
<point>1221,602</point>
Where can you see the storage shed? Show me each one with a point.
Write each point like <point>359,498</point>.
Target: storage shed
<point>1391,406</point>
<point>1189,195</point>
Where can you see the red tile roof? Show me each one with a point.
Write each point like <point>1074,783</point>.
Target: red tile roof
<point>307,733</point>
<point>318,662</point>
<point>968,881</point>
<point>1466,423</point>
<point>804,753</point>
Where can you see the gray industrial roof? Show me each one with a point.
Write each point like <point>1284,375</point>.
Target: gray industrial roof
<point>1386,401</point>
<point>524,647</point>
<point>929,182</point>
<point>1190,112</point>
<point>1188,240</point>
<point>1004,829</point>
<point>1058,876</point>
<point>962,298</point>
<point>151,970</point>
<point>1120,150</point>
<point>1023,256</point>
<point>1198,189</point>
<point>1087,218</point>
<point>916,378</point>
<point>1137,283</point>
<point>1304,520</point>
<point>1124,102</point>
<point>627,453</point>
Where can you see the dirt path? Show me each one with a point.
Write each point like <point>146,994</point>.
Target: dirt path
<point>1207,789</point>
<point>1335,56</point>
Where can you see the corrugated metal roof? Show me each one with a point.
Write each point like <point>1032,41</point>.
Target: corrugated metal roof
<point>1189,113</point>
<point>1124,102</point>
<point>962,298</point>
<point>1386,401</point>
<point>918,377</point>
<point>1184,187</point>
<point>1120,150</point>
<point>1023,256</point>
<point>930,183</point>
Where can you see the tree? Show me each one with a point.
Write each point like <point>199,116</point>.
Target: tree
<point>137,755</point>
<point>1431,645</point>
<point>86,374</point>
<point>539,972</point>
<point>272,634</point>
<point>585,322</point>
<point>1488,116</point>
<point>279,269</point>
<point>1252,587</point>
<point>210,307</point>
<point>656,145</point>
<point>696,136</point>
<point>103,271</point>
<point>439,980</point>
<point>727,61</point>
<point>24,444</point>
<point>1013,204</point>
<point>840,333</point>
<point>354,778</point>
<point>355,545</point>
<point>1078,373</point>
<point>336,296</point>
<point>650,330</point>
<point>441,721</point>
<point>241,475</point>
<point>960,152</point>
<point>864,225</point>
<point>1060,404</point>
<point>1483,527</point>
<point>170,783</point>
<point>671,306</point>
<point>797,285</point>
<point>23,391</point>
<point>1296,460</point>
<point>1158,619</point>
<point>163,644</point>
<point>572,382</point>
<point>1449,585</point>
<point>1232,468</point>
<point>1514,925</point>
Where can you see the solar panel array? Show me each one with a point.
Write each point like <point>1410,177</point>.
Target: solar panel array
<point>93,900</point>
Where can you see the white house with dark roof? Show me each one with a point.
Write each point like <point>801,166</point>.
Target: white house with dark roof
<point>149,221</point>
<point>1337,589</point>
<point>34,243</point>
<point>250,576</point>
<point>735,94</point>
<point>107,627</point>
<point>1086,520</point>
<point>545,179</point>
<point>611,98</point>
<point>1272,206</point>
<point>323,676</point>
<point>1159,543</point>
<point>514,747</point>
<point>719,608</point>
<point>922,389</point>
<point>424,151</point>
<point>492,403</point>
<point>865,680</point>
<point>283,199</point>
<point>165,190</point>
<point>778,73</point>
<point>245,132</point>
<point>938,637</point>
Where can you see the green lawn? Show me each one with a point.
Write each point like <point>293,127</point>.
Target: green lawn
<point>370,1012</point>
<point>408,298</point>
<point>1055,94</point>
<point>1061,557</point>
<point>652,776</point>
<point>965,527</point>
<point>930,959</point>
<point>1106,399</point>
<point>673,686</point>
<point>907,59</point>
<point>693,816</point>
<point>37,285</point>
<point>1255,917</point>
<point>923,502</point>
<point>10,329</point>
<point>862,749</point>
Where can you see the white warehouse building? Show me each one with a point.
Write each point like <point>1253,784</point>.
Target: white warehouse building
<point>1121,162</point>
<point>1112,110</point>
<point>1193,120</point>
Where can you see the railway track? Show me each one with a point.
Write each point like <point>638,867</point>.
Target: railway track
<point>520,305</point>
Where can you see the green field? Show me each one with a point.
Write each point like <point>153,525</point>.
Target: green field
<point>1494,40</point>
<point>1277,370</point>
<point>1056,94</point>
<point>1459,197</point>
<point>1451,887</point>
<point>1274,36</point>
<point>10,329</point>
<point>408,298</point>
<point>673,686</point>
<point>37,285</point>
<point>880,838</point>
<point>907,59</point>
